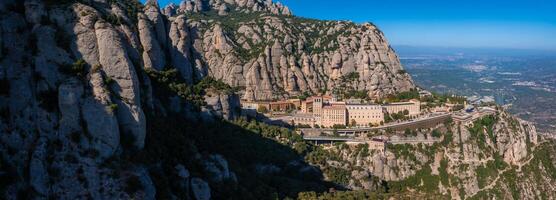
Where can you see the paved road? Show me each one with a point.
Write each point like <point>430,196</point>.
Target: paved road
<point>392,126</point>
<point>328,138</point>
<point>351,139</point>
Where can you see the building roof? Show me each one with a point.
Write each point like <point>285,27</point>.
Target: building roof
<point>361,104</point>
<point>280,102</point>
<point>399,104</point>
<point>377,140</point>
<point>303,115</point>
<point>335,107</point>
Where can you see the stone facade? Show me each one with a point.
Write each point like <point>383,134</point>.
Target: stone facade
<point>413,106</point>
<point>365,114</point>
<point>327,112</point>
<point>334,114</point>
<point>305,119</point>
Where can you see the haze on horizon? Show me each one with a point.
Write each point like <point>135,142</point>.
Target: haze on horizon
<point>474,23</point>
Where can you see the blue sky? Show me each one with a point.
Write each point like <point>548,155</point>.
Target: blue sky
<point>524,24</point>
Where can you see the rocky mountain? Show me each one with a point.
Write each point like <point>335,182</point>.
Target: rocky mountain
<point>75,92</point>
<point>114,99</point>
<point>495,157</point>
<point>270,54</point>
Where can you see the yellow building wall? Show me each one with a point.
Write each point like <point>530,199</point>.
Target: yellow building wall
<point>333,116</point>
<point>363,115</point>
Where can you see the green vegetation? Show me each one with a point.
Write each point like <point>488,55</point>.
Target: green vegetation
<point>510,178</point>
<point>443,172</point>
<point>365,194</point>
<point>113,107</point>
<point>441,99</point>
<point>363,150</point>
<point>403,96</point>
<point>410,132</point>
<point>338,175</point>
<point>436,133</point>
<point>169,83</point>
<point>75,69</point>
<point>262,109</point>
<point>403,151</point>
<point>215,85</point>
<point>402,115</point>
<point>346,88</point>
<point>339,126</point>
<point>477,130</point>
<point>304,96</point>
<point>448,137</point>
<point>423,180</point>
<point>487,173</point>
<point>131,7</point>
<point>231,23</point>
<point>114,19</point>
<point>172,140</point>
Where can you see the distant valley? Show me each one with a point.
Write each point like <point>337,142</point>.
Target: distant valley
<point>523,80</point>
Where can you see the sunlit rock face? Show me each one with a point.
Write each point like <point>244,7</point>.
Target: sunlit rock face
<point>272,55</point>
<point>75,93</point>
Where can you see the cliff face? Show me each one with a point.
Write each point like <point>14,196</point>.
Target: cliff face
<point>117,100</point>
<point>261,48</point>
<point>83,83</point>
<point>486,159</point>
<point>75,92</point>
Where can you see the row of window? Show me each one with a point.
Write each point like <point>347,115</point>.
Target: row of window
<point>375,116</point>
<point>365,108</point>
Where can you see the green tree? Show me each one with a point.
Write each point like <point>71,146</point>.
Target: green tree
<point>353,123</point>
<point>262,109</point>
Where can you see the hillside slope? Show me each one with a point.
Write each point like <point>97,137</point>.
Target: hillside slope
<point>84,84</point>
<point>271,54</point>
<point>494,157</point>
<point>112,99</point>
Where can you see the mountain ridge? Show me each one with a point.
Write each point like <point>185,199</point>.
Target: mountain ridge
<point>111,99</point>
<point>257,51</point>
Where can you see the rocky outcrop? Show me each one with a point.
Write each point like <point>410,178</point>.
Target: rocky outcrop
<point>38,168</point>
<point>224,106</point>
<point>217,169</point>
<point>101,121</point>
<point>118,67</point>
<point>76,92</point>
<point>73,90</point>
<point>153,55</point>
<point>180,47</point>
<point>222,7</point>
<point>471,160</point>
<point>293,57</point>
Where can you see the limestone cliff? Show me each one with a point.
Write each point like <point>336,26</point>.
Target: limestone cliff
<point>260,47</point>
<point>485,159</point>
<point>113,99</point>
<point>74,96</point>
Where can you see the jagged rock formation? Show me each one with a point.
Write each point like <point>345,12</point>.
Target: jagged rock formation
<point>258,46</point>
<point>87,88</point>
<point>74,95</point>
<point>223,6</point>
<point>484,160</point>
